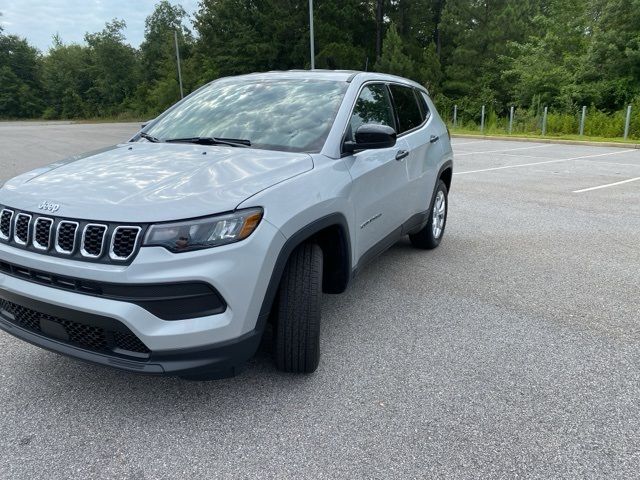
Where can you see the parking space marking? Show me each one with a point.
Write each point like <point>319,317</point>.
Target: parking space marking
<point>504,150</point>
<point>607,185</point>
<point>541,163</point>
<point>455,144</point>
<point>616,163</point>
<point>520,156</point>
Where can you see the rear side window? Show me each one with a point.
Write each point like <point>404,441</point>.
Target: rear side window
<point>373,106</point>
<point>424,106</point>
<point>409,112</point>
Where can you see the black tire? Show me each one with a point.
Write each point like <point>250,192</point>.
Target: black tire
<point>426,238</point>
<point>297,312</point>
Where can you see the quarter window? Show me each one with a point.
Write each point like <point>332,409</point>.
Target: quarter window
<point>373,106</point>
<point>424,106</point>
<point>409,113</point>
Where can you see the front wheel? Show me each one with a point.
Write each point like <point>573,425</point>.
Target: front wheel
<point>297,311</point>
<point>431,235</point>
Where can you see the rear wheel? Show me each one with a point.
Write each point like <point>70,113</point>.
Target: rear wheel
<point>297,311</point>
<point>431,235</point>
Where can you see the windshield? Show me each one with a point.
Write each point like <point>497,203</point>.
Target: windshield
<point>289,115</point>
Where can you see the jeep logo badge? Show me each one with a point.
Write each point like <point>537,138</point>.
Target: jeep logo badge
<point>48,206</point>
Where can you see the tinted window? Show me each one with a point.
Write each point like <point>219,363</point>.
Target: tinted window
<point>290,115</point>
<point>373,106</point>
<point>407,106</point>
<point>422,100</point>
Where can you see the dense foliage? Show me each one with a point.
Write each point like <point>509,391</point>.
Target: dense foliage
<point>529,53</point>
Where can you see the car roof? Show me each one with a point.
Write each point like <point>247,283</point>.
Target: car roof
<point>334,75</point>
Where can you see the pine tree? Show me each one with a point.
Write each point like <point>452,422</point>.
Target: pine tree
<point>393,59</point>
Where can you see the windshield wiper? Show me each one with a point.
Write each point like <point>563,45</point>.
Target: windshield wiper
<point>232,142</point>
<point>151,138</point>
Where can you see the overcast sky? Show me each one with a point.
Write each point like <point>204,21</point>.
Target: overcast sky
<point>39,20</point>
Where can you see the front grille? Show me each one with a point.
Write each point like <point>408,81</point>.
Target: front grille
<point>21,233</point>
<point>86,336</point>
<point>83,240</point>
<point>124,242</point>
<point>93,240</point>
<point>66,237</point>
<point>5,223</point>
<point>42,233</point>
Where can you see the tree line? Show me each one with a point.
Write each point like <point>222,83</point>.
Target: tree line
<point>529,53</point>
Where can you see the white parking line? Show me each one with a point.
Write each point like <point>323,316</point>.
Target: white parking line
<point>616,163</point>
<point>607,185</point>
<point>455,144</point>
<point>504,150</point>
<point>541,163</point>
<point>520,156</point>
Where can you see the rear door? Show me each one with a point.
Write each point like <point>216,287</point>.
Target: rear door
<point>379,188</point>
<point>419,129</point>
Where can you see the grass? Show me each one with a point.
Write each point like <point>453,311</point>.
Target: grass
<point>501,133</point>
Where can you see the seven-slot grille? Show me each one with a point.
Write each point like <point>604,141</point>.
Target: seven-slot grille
<point>82,240</point>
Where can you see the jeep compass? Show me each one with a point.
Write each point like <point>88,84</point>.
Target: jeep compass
<point>234,210</point>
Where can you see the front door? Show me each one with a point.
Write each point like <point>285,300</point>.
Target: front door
<point>379,176</point>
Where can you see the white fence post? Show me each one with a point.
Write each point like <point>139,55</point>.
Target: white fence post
<point>627,122</point>
<point>544,122</point>
<point>482,121</point>
<point>582,119</point>
<point>511,121</point>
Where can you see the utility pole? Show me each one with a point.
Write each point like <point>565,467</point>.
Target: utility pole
<point>175,37</point>
<point>313,47</point>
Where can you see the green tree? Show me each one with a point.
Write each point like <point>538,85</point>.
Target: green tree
<point>243,36</point>
<point>114,69</point>
<point>66,80</point>
<point>158,47</point>
<point>545,65</point>
<point>344,34</point>
<point>20,78</point>
<point>610,77</point>
<point>479,39</point>
<point>393,59</point>
<point>160,87</point>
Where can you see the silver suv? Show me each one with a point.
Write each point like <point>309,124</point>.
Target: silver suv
<point>233,210</point>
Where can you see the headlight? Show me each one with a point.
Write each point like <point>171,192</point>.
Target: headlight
<point>204,233</point>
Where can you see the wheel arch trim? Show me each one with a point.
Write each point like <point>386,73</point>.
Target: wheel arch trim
<point>448,165</point>
<point>302,234</point>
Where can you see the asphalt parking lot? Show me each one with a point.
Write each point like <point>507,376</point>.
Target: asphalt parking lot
<point>512,350</point>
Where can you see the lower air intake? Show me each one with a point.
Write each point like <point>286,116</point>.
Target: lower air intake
<point>89,337</point>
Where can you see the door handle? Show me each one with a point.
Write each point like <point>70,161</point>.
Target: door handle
<point>401,154</point>
<point>434,139</point>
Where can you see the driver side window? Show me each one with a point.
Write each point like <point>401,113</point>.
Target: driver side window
<point>373,106</point>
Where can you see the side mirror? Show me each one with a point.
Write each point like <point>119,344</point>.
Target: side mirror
<point>147,123</point>
<point>371,136</point>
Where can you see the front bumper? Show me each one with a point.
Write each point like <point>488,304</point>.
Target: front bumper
<point>222,359</point>
<point>240,272</point>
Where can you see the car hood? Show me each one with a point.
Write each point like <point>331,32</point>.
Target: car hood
<point>148,182</point>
